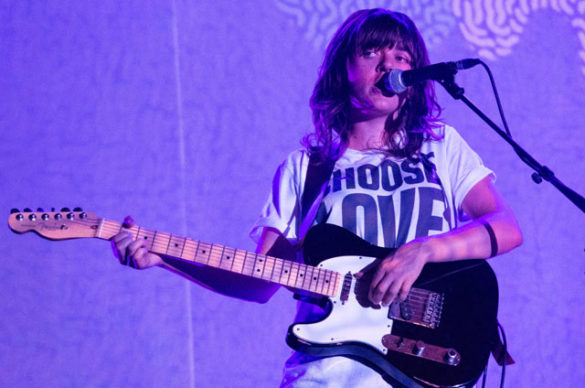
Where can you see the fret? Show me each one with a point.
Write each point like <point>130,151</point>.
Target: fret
<point>189,250</point>
<point>326,283</point>
<point>238,264</point>
<point>175,246</point>
<point>160,240</point>
<point>311,277</point>
<point>246,269</point>
<point>227,258</point>
<point>303,275</point>
<point>278,264</point>
<point>269,266</point>
<point>294,275</point>
<point>286,270</point>
<point>323,280</point>
<point>259,263</point>
<point>321,284</point>
<point>320,280</point>
<point>146,235</point>
<point>153,240</point>
<point>215,256</point>
<point>203,252</point>
<point>335,282</point>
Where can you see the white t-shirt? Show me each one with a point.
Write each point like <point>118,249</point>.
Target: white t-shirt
<point>384,200</point>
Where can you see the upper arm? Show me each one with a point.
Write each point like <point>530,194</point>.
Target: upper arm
<point>484,198</point>
<point>273,243</point>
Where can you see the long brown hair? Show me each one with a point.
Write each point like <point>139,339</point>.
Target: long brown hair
<point>330,102</point>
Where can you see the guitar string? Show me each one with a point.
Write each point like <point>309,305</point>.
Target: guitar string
<point>321,279</point>
<point>416,297</point>
<point>415,301</point>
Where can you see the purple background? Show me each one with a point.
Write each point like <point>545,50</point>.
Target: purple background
<point>178,112</point>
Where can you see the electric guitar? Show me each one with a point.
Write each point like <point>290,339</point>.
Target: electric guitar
<point>440,336</point>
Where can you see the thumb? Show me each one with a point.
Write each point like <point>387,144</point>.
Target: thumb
<point>128,222</point>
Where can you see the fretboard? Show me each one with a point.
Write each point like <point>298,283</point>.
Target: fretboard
<point>285,272</point>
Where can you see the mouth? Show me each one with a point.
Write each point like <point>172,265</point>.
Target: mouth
<point>379,87</point>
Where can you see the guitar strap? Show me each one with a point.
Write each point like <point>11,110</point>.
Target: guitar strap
<point>318,174</point>
<point>500,349</point>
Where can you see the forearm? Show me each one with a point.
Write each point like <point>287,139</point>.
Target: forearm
<point>220,281</point>
<point>472,241</point>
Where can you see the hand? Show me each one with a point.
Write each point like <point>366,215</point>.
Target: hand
<point>133,252</point>
<point>395,274</point>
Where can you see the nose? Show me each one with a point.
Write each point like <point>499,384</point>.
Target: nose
<point>386,63</point>
<point>384,66</point>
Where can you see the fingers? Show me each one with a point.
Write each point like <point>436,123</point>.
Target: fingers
<point>389,284</point>
<point>130,252</point>
<point>120,244</point>
<point>386,290</point>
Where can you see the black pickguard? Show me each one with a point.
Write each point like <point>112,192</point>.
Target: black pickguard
<point>468,322</point>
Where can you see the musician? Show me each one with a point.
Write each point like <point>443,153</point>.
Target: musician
<point>401,178</point>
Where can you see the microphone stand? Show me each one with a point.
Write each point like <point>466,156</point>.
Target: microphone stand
<point>541,172</point>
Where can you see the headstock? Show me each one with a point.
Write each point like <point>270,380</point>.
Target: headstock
<point>54,225</point>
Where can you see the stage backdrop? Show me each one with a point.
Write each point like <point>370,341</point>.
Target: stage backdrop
<point>178,112</point>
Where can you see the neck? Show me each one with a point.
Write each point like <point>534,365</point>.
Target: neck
<point>368,134</point>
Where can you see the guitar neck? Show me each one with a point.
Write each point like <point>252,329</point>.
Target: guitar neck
<point>285,272</point>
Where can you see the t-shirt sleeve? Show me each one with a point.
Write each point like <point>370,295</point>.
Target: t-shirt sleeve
<point>281,207</point>
<point>466,168</point>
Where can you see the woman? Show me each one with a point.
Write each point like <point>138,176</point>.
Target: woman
<point>401,179</point>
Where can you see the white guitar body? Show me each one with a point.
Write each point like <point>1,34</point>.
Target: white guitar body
<point>348,320</point>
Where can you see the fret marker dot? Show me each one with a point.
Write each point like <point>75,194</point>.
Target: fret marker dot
<point>176,245</point>
<point>146,237</point>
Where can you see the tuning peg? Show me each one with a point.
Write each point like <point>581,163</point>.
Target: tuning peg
<point>65,209</point>
<point>14,210</point>
<point>77,209</point>
<point>27,210</point>
<point>52,209</point>
<point>40,209</point>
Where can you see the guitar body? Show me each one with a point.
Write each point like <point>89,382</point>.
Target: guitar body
<point>383,338</point>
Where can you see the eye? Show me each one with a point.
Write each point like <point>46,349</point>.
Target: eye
<point>403,59</point>
<point>369,53</point>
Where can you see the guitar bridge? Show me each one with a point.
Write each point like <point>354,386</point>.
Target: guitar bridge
<point>421,307</point>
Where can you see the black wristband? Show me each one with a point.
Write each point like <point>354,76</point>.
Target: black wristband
<point>493,240</point>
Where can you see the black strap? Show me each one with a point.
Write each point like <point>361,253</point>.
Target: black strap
<point>318,172</point>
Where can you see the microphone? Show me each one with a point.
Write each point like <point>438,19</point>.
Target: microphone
<point>397,81</point>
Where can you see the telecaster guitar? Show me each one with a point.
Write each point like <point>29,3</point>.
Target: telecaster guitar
<point>440,336</point>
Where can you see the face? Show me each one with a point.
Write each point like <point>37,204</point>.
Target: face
<point>364,71</point>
